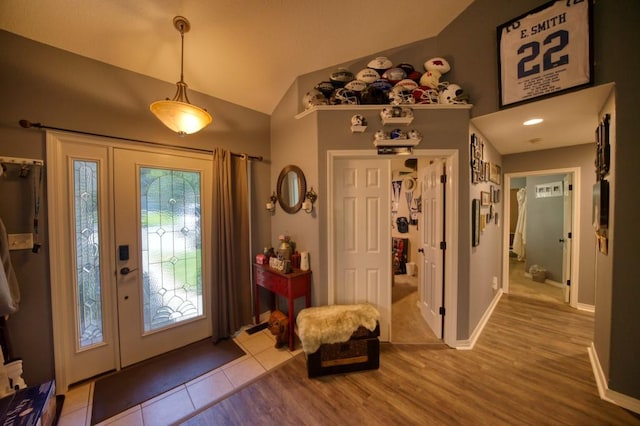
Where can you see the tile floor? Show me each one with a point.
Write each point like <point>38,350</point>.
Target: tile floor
<point>179,403</point>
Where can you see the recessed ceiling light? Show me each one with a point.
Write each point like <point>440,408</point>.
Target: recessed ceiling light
<point>533,121</point>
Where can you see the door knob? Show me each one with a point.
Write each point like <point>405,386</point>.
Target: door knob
<point>126,270</point>
<point>421,250</point>
<point>561,240</point>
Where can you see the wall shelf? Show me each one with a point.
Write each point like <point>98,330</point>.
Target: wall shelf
<point>397,142</point>
<point>397,120</point>
<point>377,107</point>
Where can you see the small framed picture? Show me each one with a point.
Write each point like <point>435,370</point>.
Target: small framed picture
<point>494,173</point>
<point>485,198</point>
<point>475,222</point>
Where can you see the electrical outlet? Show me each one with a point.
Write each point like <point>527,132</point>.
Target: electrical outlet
<point>20,241</point>
<point>494,284</point>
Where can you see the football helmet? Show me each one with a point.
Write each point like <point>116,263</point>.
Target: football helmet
<point>380,135</point>
<point>341,76</point>
<point>394,75</point>
<point>415,76</point>
<point>398,134</point>
<point>407,83</point>
<point>380,64</point>
<point>437,64</point>
<point>373,95</point>
<point>358,120</point>
<point>425,95</point>
<point>453,94</point>
<point>430,79</point>
<point>356,85</point>
<point>368,75</point>
<point>342,96</point>
<point>314,98</point>
<point>400,96</point>
<point>408,68</point>
<point>382,84</point>
<point>326,87</point>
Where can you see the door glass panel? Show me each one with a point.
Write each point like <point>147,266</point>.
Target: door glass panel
<point>171,246</point>
<point>87,240</point>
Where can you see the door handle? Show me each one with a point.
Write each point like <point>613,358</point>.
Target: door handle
<point>561,240</point>
<point>421,250</point>
<point>127,271</point>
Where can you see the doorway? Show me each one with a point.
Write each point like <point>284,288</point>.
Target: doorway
<point>543,260</point>
<point>129,228</point>
<point>336,219</point>
<point>417,208</point>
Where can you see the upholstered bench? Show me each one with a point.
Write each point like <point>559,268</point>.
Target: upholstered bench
<point>339,338</point>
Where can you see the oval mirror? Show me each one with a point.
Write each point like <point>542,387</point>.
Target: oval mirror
<point>291,188</point>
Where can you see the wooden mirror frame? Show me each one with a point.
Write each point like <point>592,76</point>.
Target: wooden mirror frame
<point>302,188</point>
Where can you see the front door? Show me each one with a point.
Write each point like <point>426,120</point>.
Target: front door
<point>159,200</point>
<point>430,289</point>
<point>129,252</point>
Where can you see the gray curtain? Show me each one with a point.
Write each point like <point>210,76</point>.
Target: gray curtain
<point>231,277</point>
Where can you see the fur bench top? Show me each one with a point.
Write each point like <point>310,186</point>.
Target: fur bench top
<point>333,324</point>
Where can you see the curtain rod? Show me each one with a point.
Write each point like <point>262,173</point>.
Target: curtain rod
<point>28,124</point>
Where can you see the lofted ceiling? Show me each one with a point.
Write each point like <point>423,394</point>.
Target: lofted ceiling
<point>249,52</point>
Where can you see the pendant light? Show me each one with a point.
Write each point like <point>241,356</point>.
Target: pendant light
<point>178,114</point>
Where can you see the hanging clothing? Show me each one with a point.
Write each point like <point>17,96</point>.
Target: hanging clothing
<point>9,289</point>
<point>520,236</point>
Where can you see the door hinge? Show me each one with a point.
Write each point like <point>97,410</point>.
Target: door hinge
<point>443,245</point>
<point>442,310</point>
<point>443,178</point>
<point>570,187</point>
<point>568,283</point>
<point>569,235</point>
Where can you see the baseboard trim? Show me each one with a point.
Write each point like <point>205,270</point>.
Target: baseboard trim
<point>605,393</point>
<point>546,281</point>
<point>586,308</point>
<point>471,342</point>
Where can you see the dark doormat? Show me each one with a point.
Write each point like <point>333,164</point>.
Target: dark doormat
<point>140,382</point>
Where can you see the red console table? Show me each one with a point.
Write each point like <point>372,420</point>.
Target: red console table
<point>292,285</point>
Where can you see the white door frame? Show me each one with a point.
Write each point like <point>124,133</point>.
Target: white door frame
<point>575,235</point>
<point>451,234</point>
<point>61,301</point>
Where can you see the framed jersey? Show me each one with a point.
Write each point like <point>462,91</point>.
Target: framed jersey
<point>545,51</point>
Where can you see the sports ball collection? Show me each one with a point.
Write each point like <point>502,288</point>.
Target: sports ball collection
<point>383,83</point>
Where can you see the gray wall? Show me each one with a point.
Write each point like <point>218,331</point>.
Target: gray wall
<point>616,55</point>
<point>544,228</point>
<point>469,43</point>
<point>60,89</point>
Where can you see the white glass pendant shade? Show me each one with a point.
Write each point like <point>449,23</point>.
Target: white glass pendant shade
<point>178,114</point>
<point>181,117</point>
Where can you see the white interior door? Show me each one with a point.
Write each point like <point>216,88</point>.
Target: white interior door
<point>567,236</point>
<point>362,235</point>
<point>431,284</point>
<point>161,220</point>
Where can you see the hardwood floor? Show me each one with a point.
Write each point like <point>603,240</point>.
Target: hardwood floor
<point>529,366</point>
<point>407,325</point>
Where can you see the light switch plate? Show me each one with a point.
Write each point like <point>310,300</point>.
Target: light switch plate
<point>20,241</point>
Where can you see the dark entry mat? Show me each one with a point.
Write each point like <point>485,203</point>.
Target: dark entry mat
<point>140,382</point>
